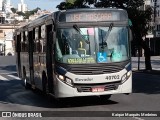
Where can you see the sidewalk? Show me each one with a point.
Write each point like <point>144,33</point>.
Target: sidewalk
<point>155,62</point>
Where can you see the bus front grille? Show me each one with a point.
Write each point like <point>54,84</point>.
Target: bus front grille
<point>94,70</point>
<point>88,87</point>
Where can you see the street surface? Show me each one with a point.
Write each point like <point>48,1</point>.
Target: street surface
<point>145,96</point>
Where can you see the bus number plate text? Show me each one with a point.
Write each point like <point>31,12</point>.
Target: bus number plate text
<point>98,89</point>
<point>113,77</point>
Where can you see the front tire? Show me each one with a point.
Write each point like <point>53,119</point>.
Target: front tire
<point>26,84</point>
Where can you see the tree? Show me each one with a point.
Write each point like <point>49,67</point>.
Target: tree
<point>21,13</point>
<point>14,10</point>
<point>71,4</point>
<point>27,13</point>
<point>140,18</point>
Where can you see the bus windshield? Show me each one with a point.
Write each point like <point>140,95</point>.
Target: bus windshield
<point>92,45</point>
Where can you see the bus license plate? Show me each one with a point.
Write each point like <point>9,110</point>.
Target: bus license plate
<point>98,89</point>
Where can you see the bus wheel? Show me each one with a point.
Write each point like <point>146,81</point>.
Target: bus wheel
<point>45,85</point>
<point>26,84</point>
<point>104,98</point>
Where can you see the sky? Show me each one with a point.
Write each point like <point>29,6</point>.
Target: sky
<point>43,4</point>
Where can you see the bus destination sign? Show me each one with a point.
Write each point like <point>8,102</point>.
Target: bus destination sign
<point>92,16</point>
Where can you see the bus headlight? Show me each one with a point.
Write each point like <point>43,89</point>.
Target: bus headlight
<point>61,77</point>
<point>66,80</point>
<point>129,74</point>
<point>126,76</point>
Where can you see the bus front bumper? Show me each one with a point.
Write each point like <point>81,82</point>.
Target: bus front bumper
<point>63,90</point>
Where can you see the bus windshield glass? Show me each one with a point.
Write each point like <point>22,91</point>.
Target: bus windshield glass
<point>92,45</point>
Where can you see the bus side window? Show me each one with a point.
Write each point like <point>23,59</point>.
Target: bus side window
<point>39,39</point>
<point>43,31</point>
<point>37,42</point>
<point>42,36</point>
<point>21,41</point>
<point>23,36</point>
<point>26,41</point>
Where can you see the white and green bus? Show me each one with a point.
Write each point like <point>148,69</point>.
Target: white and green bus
<point>79,52</point>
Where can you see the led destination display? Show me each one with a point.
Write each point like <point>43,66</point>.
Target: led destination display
<point>89,16</point>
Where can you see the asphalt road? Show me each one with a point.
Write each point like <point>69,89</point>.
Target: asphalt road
<point>13,97</point>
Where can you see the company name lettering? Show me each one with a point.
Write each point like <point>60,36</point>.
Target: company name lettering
<point>87,79</point>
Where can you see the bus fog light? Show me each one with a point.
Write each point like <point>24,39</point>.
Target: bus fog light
<point>126,76</point>
<point>68,81</point>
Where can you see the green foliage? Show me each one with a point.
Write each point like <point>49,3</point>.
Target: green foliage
<point>20,13</point>
<point>75,4</point>
<point>14,10</point>
<point>27,13</point>
<point>70,1</point>
<point>65,5</point>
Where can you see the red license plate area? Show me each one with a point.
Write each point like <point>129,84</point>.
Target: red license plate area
<point>98,89</point>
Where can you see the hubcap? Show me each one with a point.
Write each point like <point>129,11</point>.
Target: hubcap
<point>25,82</point>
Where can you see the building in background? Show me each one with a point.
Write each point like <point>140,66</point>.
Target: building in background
<point>38,14</point>
<point>1,1</point>
<point>6,39</point>
<point>6,28</point>
<point>8,6</point>
<point>22,7</point>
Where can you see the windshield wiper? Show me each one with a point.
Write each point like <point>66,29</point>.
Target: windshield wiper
<point>104,43</point>
<point>108,32</point>
<point>80,32</point>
